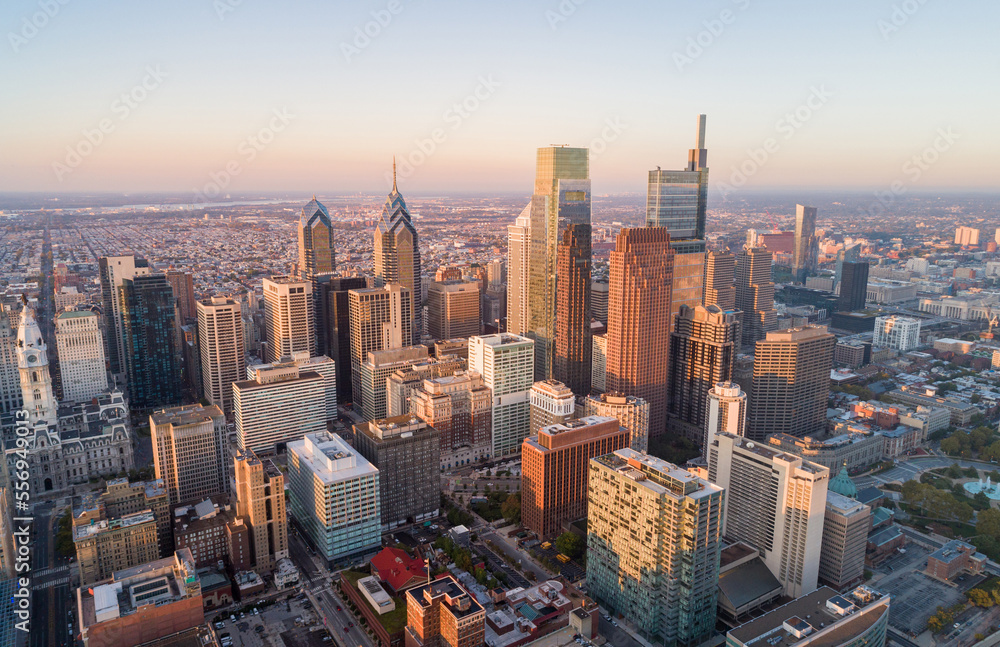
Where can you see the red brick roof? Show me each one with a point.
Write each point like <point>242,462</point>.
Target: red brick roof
<point>397,569</point>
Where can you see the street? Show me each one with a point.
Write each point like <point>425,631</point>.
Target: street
<point>337,621</point>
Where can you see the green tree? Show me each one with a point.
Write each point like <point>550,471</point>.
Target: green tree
<point>569,544</point>
<point>511,508</point>
<point>988,523</point>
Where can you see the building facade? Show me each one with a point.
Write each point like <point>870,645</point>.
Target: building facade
<point>259,490</point>
<point>282,403</point>
<point>376,370</point>
<point>630,411</point>
<point>720,280</point>
<point>897,332</point>
<point>573,347</point>
<point>507,364</point>
<point>845,537</point>
<point>104,545</point>
<point>380,319</point>
<point>443,614</point>
<point>289,319</point>
<point>806,251</point>
<point>190,451</point>
<point>551,402</point>
<point>460,408</point>
<point>80,346</point>
<point>223,354</point>
<point>152,358</point>
<point>453,309</point>
<point>755,293</point>
<point>397,258</point>
<point>727,411</point>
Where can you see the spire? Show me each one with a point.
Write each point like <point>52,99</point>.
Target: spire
<point>394,190</point>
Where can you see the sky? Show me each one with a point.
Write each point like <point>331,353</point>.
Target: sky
<point>211,97</point>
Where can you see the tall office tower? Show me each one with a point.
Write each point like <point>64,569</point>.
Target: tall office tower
<point>152,357</point>
<point>599,301</point>
<point>574,347</point>
<point>853,287</point>
<point>407,453</point>
<point>845,537</point>
<point>379,319</point>
<point>720,280</point>
<point>554,470</point>
<point>223,358</point>
<point>190,451</point>
<point>334,496</point>
<point>443,614</point>
<point>336,323</point>
<point>561,199</point>
<point>896,331</point>
<point>113,270</point>
<point>321,364</point>
<point>631,412</point>
<point>316,251</point>
<point>552,402</point>
<point>10,377</point>
<point>727,412</point>
<point>405,381</point>
<point>288,316</point>
<point>104,546</point>
<point>849,254</point>
<point>281,403</point>
<point>182,283</point>
<point>259,491</point>
<point>518,279</point>
<point>806,244</point>
<point>453,309</point>
<point>506,363</point>
<point>755,293</point>
<point>967,236</point>
<point>460,407</point>
<point>496,272</point>
<point>80,346</point>
<point>638,331</point>
<point>702,349</point>
<point>666,581</point>
<point>774,502</point>
<point>376,370</point>
<point>791,382</point>
<point>678,201</point>
<point>599,362</point>
<point>397,256</point>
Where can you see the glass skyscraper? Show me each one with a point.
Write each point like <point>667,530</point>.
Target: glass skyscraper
<point>152,359</point>
<point>397,254</point>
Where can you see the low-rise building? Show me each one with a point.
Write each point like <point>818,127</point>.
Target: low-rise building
<point>104,545</point>
<point>443,613</point>
<point>953,558</point>
<point>855,447</point>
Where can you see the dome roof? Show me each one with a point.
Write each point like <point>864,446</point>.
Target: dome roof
<point>842,484</point>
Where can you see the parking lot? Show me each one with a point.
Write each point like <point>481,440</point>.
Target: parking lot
<point>572,571</point>
<point>264,629</point>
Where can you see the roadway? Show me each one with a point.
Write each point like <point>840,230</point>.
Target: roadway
<point>326,602</point>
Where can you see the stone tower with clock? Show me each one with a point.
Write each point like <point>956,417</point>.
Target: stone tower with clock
<point>33,365</point>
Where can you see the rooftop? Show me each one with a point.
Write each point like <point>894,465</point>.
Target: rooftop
<point>330,458</point>
<point>190,414</point>
<point>657,474</point>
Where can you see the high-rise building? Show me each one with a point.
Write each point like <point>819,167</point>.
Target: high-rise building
<point>555,467</point>
<point>182,283</point>
<point>448,273</point>
<point>496,272</point>
<point>678,201</point>
<point>443,614</point>
<point>506,363</point>
<point>791,382</point>
<point>453,309</point>
<point>845,537</point>
<point>335,322</point>
<point>407,453</point>
<point>281,403</point>
<point>967,236</point>
<point>259,490</point>
<point>573,347</point>
<point>316,251</point>
<point>599,363</point>
<point>321,364</point>
<point>720,280</point>
<point>703,346</point>
<point>113,270</point>
<point>409,379</point>
<point>397,257</point>
<point>288,317</point>
<point>599,301</point>
<point>104,545</point>
<point>806,244</point>
<point>653,545</point>
<point>853,286</point>
<point>638,343</point>
<point>223,355</point>
<point>774,502</point>
<point>898,332</point>
<point>121,498</point>
<point>848,254</point>
<point>552,402</point>
<point>10,377</point>
<point>630,411</point>
<point>727,412</point>
<point>518,278</point>
<point>380,319</point>
<point>152,358</point>
<point>374,373</point>
<point>80,346</point>
<point>460,407</point>
<point>755,293</point>
<point>334,496</point>
<point>190,451</point>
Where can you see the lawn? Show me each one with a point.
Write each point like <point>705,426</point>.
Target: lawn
<point>393,621</point>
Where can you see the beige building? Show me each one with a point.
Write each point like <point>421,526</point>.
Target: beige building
<point>122,498</point>
<point>599,363</point>
<point>460,407</point>
<point>552,402</point>
<point>80,345</point>
<point>104,546</point>
<point>404,382</point>
<point>190,451</point>
<point>631,412</point>
<point>223,356</point>
<point>379,319</point>
<point>845,537</point>
<point>288,317</point>
<point>453,309</point>
<point>374,373</point>
<point>260,500</point>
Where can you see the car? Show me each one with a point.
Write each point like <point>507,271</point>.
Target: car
<point>220,625</point>
<point>232,619</point>
<point>346,630</point>
<point>225,635</point>
<point>259,629</point>
<point>957,625</point>
<point>338,608</point>
<point>256,611</point>
<point>350,624</point>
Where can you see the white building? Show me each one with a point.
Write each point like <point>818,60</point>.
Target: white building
<point>727,411</point>
<point>223,354</point>
<point>507,364</point>
<point>288,317</point>
<point>81,355</point>
<point>631,412</point>
<point>321,364</point>
<point>599,363</point>
<point>775,502</point>
<point>334,496</point>
<point>898,332</point>
<point>967,236</point>
<point>282,403</point>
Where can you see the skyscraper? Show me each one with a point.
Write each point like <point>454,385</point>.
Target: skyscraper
<point>806,243</point>
<point>727,412</point>
<point>845,537</point>
<point>376,370</point>
<point>506,363</point>
<point>316,251</point>
<point>152,359</point>
<point>453,309</point>
<point>282,402</point>
<point>897,332</point>
<point>288,317</point>
<point>379,319</point>
<point>519,263</point>
<point>336,324</point>
<point>460,407</point>
<point>853,286</point>
<point>665,582</point>
<point>599,301</point>
<point>849,254</point>
<point>223,357</point>
<point>552,402</point>
<point>720,280</point>
<point>397,255</point>
<point>678,201</point>
<point>190,451</point>
<point>791,382</point>
<point>113,270</point>
<point>755,293</point>
<point>631,412</point>
<point>182,283</point>
<point>80,345</point>
<point>260,499</point>
<point>775,502</point>
<point>10,379</point>
<point>599,363</point>
<point>702,349</point>
<point>573,349</point>
<point>638,344</point>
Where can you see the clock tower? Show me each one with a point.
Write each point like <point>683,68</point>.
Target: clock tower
<point>33,365</point>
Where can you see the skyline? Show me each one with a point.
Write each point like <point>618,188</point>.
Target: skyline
<point>338,112</point>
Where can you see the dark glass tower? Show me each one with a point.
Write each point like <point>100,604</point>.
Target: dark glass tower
<point>806,245</point>
<point>574,347</point>
<point>152,360</point>
<point>853,287</point>
<point>334,321</point>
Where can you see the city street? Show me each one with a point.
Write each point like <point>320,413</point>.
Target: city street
<point>337,621</point>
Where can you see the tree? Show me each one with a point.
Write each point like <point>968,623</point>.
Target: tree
<point>980,598</point>
<point>569,544</point>
<point>988,523</point>
<point>511,508</point>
